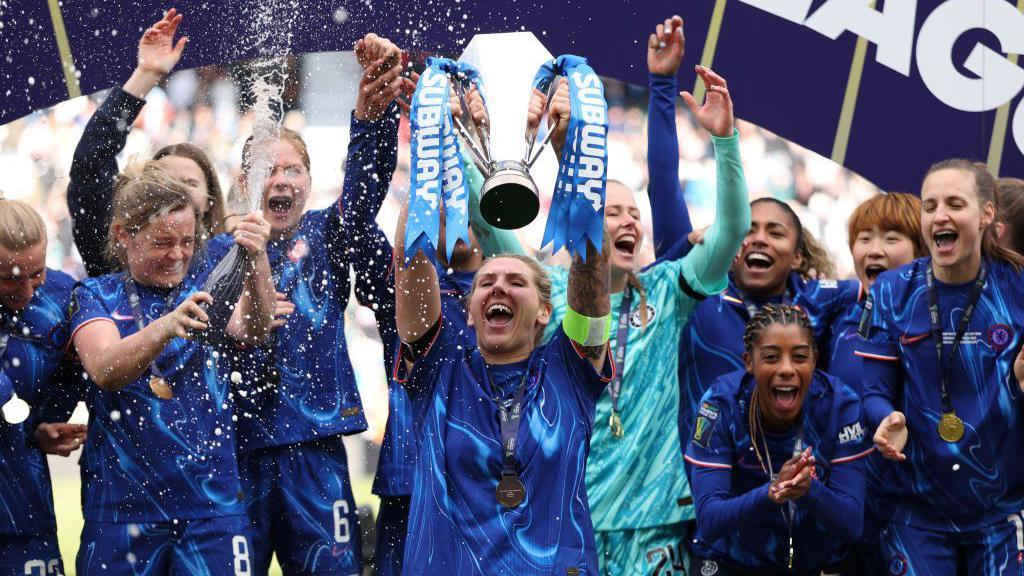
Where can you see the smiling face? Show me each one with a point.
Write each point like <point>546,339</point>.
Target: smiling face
<point>286,189</point>
<point>186,171</point>
<point>506,309</point>
<point>160,253</point>
<point>21,273</point>
<point>769,252</point>
<point>782,362</point>
<point>875,251</point>
<point>953,221</point>
<point>622,218</point>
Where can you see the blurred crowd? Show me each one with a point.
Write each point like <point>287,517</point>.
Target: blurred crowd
<point>202,107</point>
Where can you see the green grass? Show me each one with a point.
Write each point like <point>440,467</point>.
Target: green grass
<point>67,502</point>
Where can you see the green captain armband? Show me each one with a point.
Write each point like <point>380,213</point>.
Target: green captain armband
<point>587,331</point>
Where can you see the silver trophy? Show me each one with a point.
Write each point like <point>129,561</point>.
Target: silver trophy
<point>511,163</point>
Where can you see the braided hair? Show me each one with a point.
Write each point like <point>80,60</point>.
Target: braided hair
<point>768,315</point>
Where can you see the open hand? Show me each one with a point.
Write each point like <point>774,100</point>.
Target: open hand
<point>891,436</point>
<point>715,115</point>
<point>158,53</point>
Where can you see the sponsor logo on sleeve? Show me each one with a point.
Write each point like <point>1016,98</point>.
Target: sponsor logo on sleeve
<point>707,418</point>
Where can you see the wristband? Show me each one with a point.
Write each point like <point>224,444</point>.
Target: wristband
<point>587,331</point>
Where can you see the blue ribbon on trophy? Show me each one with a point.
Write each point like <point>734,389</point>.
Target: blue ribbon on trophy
<point>576,217</point>
<point>437,175</point>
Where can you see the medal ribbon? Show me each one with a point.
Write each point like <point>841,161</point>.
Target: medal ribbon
<point>936,328</point>
<point>140,319</point>
<point>576,216</point>
<point>510,415</point>
<point>436,168</point>
<point>621,339</point>
<point>790,513</point>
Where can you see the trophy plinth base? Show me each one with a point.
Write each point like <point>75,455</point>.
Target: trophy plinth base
<point>508,198</point>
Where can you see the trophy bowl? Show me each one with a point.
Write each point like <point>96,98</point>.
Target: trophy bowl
<point>509,198</point>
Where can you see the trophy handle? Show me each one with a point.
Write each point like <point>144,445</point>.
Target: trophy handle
<point>531,139</point>
<point>482,133</point>
<point>478,155</point>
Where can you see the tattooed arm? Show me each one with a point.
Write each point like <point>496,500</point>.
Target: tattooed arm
<point>588,293</point>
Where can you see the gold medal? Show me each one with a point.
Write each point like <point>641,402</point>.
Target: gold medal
<point>510,492</point>
<point>160,388</point>
<point>615,423</point>
<point>951,427</point>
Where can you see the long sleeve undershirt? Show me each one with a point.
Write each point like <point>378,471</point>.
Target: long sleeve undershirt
<point>671,219</point>
<point>706,266</point>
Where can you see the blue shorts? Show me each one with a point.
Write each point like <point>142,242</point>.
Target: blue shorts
<point>300,505</point>
<point>205,547</point>
<point>392,527</point>
<point>996,550</point>
<point>30,555</point>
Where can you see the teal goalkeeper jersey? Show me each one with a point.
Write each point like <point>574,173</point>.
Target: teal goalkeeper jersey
<point>638,481</point>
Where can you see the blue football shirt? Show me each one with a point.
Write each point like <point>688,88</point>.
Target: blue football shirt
<point>153,460</point>
<point>978,481</point>
<point>712,340</point>
<point>737,521</point>
<point>34,363</point>
<point>314,394</point>
<point>456,525</point>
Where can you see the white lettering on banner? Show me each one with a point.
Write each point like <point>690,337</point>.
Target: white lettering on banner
<point>997,79</point>
<point>430,97</point>
<point>453,177</point>
<point>792,10</point>
<point>886,29</point>
<point>593,136</point>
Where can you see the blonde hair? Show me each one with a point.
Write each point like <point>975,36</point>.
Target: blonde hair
<point>21,226</point>
<point>142,193</point>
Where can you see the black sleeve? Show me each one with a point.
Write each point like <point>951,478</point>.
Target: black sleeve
<point>93,169</point>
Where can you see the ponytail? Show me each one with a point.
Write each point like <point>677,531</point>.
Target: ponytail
<point>634,283</point>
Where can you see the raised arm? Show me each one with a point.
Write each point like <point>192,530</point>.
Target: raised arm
<point>417,293</point>
<point>369,165</point>
<point>588,293</point>
<point>707,265</point>
<point>94,165</point>
<point>671,219</point>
